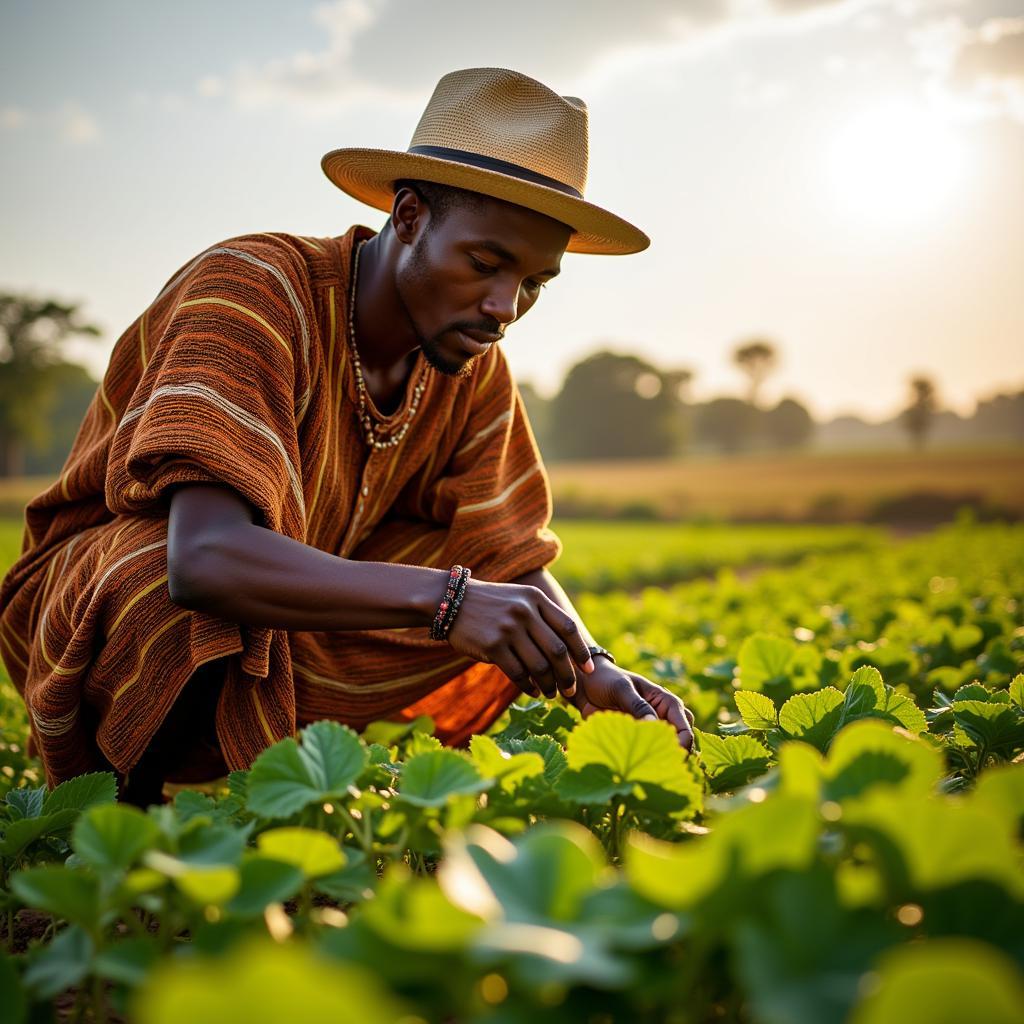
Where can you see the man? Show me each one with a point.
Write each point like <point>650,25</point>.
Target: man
<point>291,448</point>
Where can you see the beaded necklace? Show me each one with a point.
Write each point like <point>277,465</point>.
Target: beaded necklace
<point>365,419</point>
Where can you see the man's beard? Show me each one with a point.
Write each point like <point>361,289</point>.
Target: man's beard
<point>431,347</point>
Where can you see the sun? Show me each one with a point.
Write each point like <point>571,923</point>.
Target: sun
<point>895,163</point>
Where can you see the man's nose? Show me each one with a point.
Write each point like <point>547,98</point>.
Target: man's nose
<point>502,304</point>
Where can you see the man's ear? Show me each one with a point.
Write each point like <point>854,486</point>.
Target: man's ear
<point>409,215</point>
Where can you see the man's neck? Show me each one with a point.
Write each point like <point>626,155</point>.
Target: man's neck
<point>384,336</point>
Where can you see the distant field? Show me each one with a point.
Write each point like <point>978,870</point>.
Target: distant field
<point>839,487</point>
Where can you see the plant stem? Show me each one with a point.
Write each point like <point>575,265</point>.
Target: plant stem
<point>361,836</point>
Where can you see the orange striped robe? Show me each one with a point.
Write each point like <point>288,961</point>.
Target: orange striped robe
<point>239,372</point>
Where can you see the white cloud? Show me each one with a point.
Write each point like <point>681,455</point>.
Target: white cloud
<point>210,86</point>
<point>975,72</point>
<point>754,93</point>
<point>12,117</point>
<point>378,51</point>
<point>76,125</point>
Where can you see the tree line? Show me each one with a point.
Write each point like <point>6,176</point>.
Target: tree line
<point>612,405</point>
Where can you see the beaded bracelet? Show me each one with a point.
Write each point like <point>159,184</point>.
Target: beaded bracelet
<point>458,578</point>
<point>460,593</point>
<point>452,601</point>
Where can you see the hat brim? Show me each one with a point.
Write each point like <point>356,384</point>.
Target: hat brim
<point>369,175</point>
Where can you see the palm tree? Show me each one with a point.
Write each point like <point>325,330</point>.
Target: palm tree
<point>756,358</point>
<point>917,417</point>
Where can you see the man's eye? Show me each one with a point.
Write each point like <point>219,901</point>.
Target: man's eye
<point>537,285</point>
<point>484,268</point>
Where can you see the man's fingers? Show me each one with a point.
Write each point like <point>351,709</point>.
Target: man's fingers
<point>568,630</point>
<point>628,699</point>
<point>669,707</point>
<point>556,651</point>
<point>510,664</point>
<point>536,664</point>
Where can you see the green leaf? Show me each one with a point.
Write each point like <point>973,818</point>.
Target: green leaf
<point>202,843</point>
<point>812,717</point>
<point>997,727</point>
<point>780,833</point>
<point>634,750</point>
<point>763,658</point>
<point>756,710</point>
<point>354,883</point>
<point>12,993</point>
<point>113,836</point>
<point>333,754</point>
<point>868,696</point>
<point>1017,690</point>
<point>801,770</point>
<point>286,777</point>
<point>263,881</point>
<point>25,803</point>
<point>127,962</point>
<point>548,748</point>
<point>61,964</point>
<point>732,761</point>
<point>544,876</point>
<point>313,853</point>
<point>263,982</point>
<point>944,981</point>
<point>432,778</point>
<point>208,886</point>
<point>930,844</point>
<point>18,835</point>
<point>593,785</point>
<point>387,733</point>
<point>1001,787</point>
<point>869,753</point>
<point>973,691</point>
<point>509,769</point>
<point>82,792</point>
<point>72,895</point>
<point>415,914</point>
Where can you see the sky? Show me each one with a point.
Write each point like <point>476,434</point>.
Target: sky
<point>844,178</point>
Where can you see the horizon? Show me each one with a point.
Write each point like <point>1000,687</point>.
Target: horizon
<point>838,176</point>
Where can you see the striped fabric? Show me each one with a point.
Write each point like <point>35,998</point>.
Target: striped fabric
<point>239,372</point>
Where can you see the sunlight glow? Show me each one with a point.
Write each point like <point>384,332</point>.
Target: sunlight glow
<point>895,163</point>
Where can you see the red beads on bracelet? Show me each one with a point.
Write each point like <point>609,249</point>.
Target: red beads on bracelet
<point>458,578</point>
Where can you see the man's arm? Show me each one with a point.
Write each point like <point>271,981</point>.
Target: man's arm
<point>219,561</point>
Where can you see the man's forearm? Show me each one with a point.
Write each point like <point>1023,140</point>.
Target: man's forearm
<point>543,579</point>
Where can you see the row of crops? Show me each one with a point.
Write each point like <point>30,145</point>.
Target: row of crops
<point>844,847</point>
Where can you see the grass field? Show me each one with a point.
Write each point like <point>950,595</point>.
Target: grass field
<point>840,487</point>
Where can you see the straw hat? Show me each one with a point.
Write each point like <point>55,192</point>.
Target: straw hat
<point>500,133</point>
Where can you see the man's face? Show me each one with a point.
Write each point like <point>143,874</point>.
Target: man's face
<point>476,271</point>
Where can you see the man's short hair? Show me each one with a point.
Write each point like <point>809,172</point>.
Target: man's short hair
<point>441,199</point>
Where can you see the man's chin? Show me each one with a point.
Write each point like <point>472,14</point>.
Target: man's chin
<point>435,359</point>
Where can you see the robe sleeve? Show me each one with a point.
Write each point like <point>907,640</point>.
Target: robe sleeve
<point>494,492</point>
<point>222,387</point>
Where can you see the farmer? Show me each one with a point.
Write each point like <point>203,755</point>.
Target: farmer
<point>307,487</point>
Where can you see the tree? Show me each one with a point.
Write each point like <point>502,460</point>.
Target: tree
<point>538,412</point>
<point>757,358</point>
<point>725,423</point>
<point>31,333</point>
<point>788,425</point>
<point>917,417</point>
<point>614,406</point>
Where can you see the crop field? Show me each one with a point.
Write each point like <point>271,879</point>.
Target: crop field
<point>845,846</point>
<point>840,487</point>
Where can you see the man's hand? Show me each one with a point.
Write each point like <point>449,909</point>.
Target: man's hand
<point>613,689</point>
